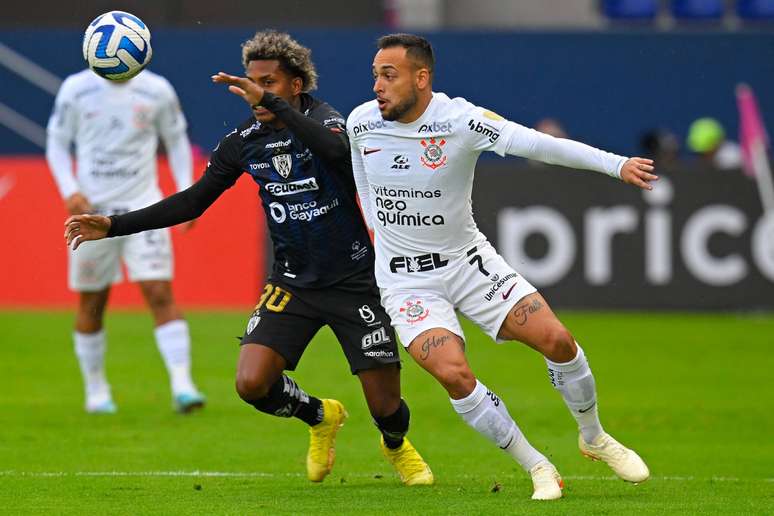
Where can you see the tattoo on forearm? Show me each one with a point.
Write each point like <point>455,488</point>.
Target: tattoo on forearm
<point>522,312</point>
<point>432,342</point>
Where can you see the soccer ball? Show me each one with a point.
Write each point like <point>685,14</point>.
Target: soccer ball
<point>117,46</point>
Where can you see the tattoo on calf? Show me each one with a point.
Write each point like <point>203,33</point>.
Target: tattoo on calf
<point>522,312</point>
<point>432,342</point>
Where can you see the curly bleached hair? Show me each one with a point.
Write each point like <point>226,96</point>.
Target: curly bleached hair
<point>293,57</point>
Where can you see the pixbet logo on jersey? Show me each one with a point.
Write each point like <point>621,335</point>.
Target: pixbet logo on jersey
<point>366,126</point>
<point>436,127</point>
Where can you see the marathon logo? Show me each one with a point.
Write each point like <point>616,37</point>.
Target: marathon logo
<point>280,189</point>
<point>421,263</point>
<point>276,145</point>
<point>379,354</point>
<point>436,127</point>
<point>486,130</point>
<point>370,125</point>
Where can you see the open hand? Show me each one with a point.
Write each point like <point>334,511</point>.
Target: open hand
<point>251,92</point>
<point>82,228</point>
<point>637,172</point>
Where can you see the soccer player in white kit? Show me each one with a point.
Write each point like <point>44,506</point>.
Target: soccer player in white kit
<point>115,127</point>
<point>413,155</point>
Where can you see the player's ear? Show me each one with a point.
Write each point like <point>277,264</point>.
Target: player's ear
<point>423,78</point>
<point>297,85</point>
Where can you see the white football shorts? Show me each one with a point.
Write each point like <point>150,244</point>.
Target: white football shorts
<point>97,264</point>
<point>428,289</point>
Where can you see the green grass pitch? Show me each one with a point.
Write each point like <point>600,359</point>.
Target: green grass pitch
<point>692,393</point>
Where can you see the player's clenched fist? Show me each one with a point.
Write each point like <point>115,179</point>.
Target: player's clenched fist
<point>637,172</point>
<point>82,228</point>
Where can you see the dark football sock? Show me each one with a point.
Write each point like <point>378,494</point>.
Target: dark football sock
<point>287,399</point>
<point>395,426</point>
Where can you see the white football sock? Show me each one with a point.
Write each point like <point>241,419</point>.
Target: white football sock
<point>576,383</point>
<point>174,343</point>
<point>486,412</point>
<point>90,350</point>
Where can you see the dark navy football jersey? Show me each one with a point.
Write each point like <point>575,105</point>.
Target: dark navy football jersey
<point>310,202</point>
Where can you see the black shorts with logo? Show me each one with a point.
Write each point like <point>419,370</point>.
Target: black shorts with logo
<point>286,318</point>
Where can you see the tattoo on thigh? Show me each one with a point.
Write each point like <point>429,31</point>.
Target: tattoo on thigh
<point>432,342</point>
<point>522,312</point>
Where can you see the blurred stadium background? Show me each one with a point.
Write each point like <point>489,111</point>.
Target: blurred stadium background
<point>629,76</point>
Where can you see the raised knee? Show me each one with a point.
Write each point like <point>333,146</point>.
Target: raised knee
<point>559,345</point>
<point>251,386</point>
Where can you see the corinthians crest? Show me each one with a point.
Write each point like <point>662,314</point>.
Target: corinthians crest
<point>282,164</point>
<point>414,311</point>
<point>433,156</point>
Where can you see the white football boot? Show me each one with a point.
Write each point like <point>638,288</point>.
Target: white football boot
<point>624,462</point>
<point>546,482</point>
<point>101,403</point>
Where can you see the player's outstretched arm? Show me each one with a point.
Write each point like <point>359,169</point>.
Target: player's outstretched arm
<point>82,228</point>
<point>638,172</point>
<point>327,142</point>
<point>175,209</point>
<point>488,131</point>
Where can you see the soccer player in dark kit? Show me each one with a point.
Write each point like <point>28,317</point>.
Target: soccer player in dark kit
<point>295,148</point>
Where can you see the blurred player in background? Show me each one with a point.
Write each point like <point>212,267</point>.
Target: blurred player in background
<point>115,127</point>
<point>413,156</point>
<point>296,149</point>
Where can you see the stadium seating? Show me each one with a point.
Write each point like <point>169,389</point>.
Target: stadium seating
<point>755,10</point>
<point>687,11</point>
<point>698,10</point>
<point>633,10</point>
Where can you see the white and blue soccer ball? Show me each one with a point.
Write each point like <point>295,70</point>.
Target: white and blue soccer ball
<point>117,45</point>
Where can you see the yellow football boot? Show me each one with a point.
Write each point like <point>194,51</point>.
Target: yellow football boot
<point>322,441</point>
<point>409,464</point>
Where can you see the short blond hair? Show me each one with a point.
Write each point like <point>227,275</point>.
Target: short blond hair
<point>293,57</point>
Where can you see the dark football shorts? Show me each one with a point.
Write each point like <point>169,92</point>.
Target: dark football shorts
<point>286,318</point>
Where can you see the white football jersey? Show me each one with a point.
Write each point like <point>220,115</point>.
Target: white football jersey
<point>416,179</point>
<point>115,128</point>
